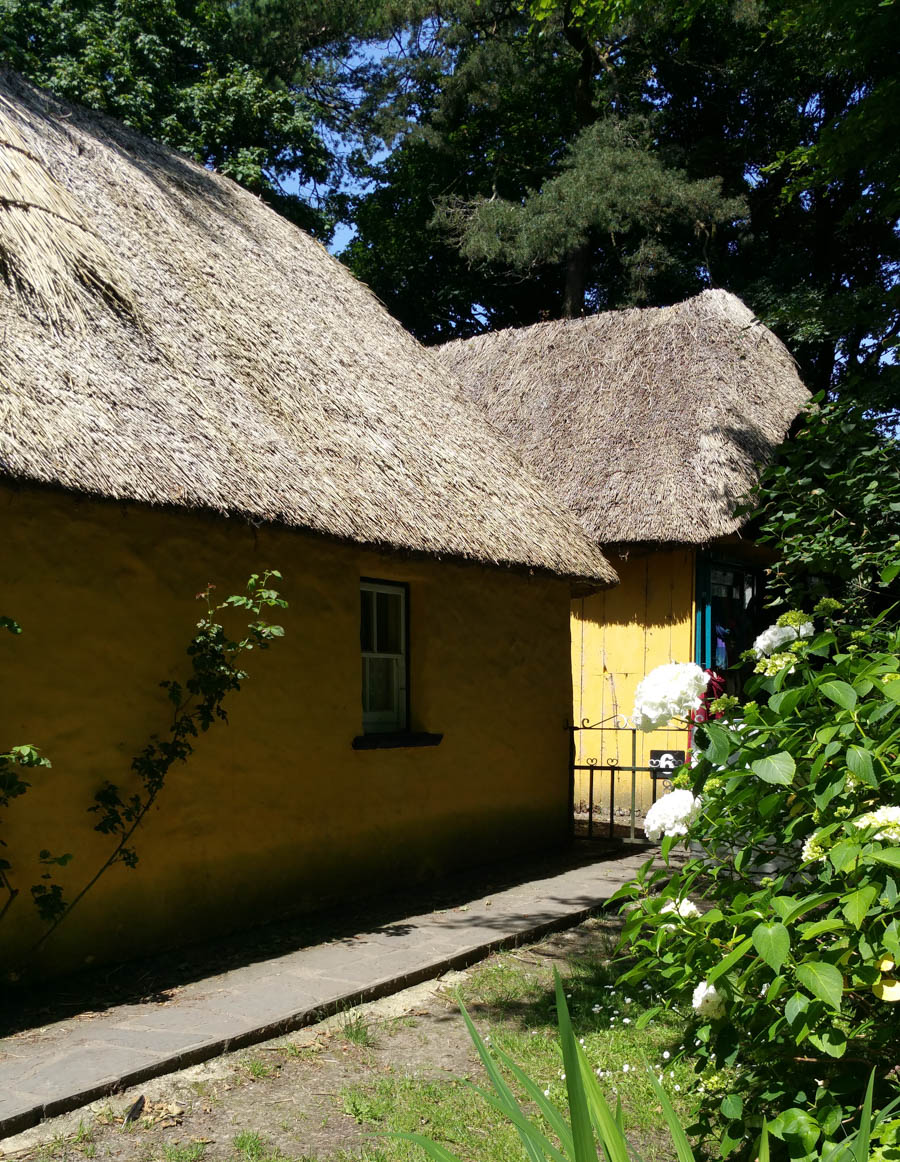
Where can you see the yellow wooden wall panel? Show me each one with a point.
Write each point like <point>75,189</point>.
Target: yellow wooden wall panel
<point>618,636</point>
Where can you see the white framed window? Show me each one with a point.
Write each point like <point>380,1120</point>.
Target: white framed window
<point>385,657</point>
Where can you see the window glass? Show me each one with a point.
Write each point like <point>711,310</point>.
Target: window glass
<point>381,686</point>
<point>388,635</point>
<point>382,637</point>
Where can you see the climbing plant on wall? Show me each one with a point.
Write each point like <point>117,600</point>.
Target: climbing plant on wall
<point>216,658</point>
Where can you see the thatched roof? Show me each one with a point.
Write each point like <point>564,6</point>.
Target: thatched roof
<point>648,424</point>
<point>169,339</point>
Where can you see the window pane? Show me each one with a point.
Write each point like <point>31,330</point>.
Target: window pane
<point>366,621</point>
<point>380,689</point>
<point>388,637</point>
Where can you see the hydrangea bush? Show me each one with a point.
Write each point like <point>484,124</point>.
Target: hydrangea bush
<point>791,816</point>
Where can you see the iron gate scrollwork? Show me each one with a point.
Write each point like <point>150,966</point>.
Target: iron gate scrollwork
<point>662,763</point>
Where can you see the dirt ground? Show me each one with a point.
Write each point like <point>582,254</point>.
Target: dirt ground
<point>289,1089</point>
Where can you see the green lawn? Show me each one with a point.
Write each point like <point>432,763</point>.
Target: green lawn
<point>511,999</point>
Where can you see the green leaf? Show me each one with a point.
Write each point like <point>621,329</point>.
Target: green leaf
<point>786,701</point>
<point>892,691</point>
<point>839,692</point>
<point>719,747</point>
<point>773,944</point>
<point>732,1107</point>
<point>888,574</point>
<point>776,768</point>
<point>859,761</point>
<point>832,1041</point>
<point>798,1125</point>
<point>816,927</point>
<point>823,980</point>
<point>889,855</point>
<point>845,854</point>
<point>729,961</point>
<point>647,1016</point>
<point>856,906</point>
<point>795,1007</point>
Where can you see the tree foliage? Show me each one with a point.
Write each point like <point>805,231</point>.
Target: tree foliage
<point>758,154</point>
<point>207,77</point>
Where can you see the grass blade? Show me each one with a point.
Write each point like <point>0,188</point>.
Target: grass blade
<point>614,1144</point>
<point>550,1113</point>
<point>861,1141</point>
<point>763,1152</point>
<point>508,1103</point>
<point>680,1141</point>
<point>585,1149</point>
<point>432,1149</point>
<point>529,1133</point>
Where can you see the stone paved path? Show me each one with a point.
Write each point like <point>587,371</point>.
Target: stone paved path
<point>47,1071</point>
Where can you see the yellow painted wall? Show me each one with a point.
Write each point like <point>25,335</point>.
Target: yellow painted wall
<point>618,636</point>
<point>275,812</point>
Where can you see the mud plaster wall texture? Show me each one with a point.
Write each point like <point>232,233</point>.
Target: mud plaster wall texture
<point>275,812</point>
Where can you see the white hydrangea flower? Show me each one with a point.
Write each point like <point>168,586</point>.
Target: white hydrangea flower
<point>707,1002</point>
<point>670,691</point>
<point>812,848</point>
<point>671,815</point>
<point>776,636</point>
<point>886,818</point>
<point>686,909</point>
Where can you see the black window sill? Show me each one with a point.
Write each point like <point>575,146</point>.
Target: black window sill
<point>398,738</point>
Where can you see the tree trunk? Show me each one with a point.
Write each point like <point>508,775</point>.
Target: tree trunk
<point>578,262</point>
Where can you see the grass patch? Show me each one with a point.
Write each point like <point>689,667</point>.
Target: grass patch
<point>249,1144</point>
<point>357,1030</point>
<point>189,1153</point>
<point>256,1068</point>
<point>511,999</point>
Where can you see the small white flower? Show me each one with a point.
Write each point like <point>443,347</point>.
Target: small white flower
<point>546,1093</point>
<point>708,1002</point>
<point>626,1020</point>
<point>775,636</point>
<point>677,1088</point>
<point>666,1055</point>
<point>812,849</point>
<point>625,1068</point>
<point>686,909</point>
<point>628,1000</point>
<point>670,691</point>
<point>671,815</point>
<point>886,818</point>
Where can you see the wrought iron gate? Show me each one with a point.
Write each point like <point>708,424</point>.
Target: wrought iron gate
<point>598,767</point>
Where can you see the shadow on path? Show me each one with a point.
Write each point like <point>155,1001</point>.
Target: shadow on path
<point>151,979</point>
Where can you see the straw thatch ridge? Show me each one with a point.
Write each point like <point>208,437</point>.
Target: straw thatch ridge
<point>48,252</point>
<point>263,379</point>
<point>648,424</point>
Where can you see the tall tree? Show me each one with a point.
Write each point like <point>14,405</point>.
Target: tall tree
<point>527,179</point>
<point>610,145</point>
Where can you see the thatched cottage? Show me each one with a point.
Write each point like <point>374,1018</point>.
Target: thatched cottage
<point>649,426</point>
<point>192,389</point>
